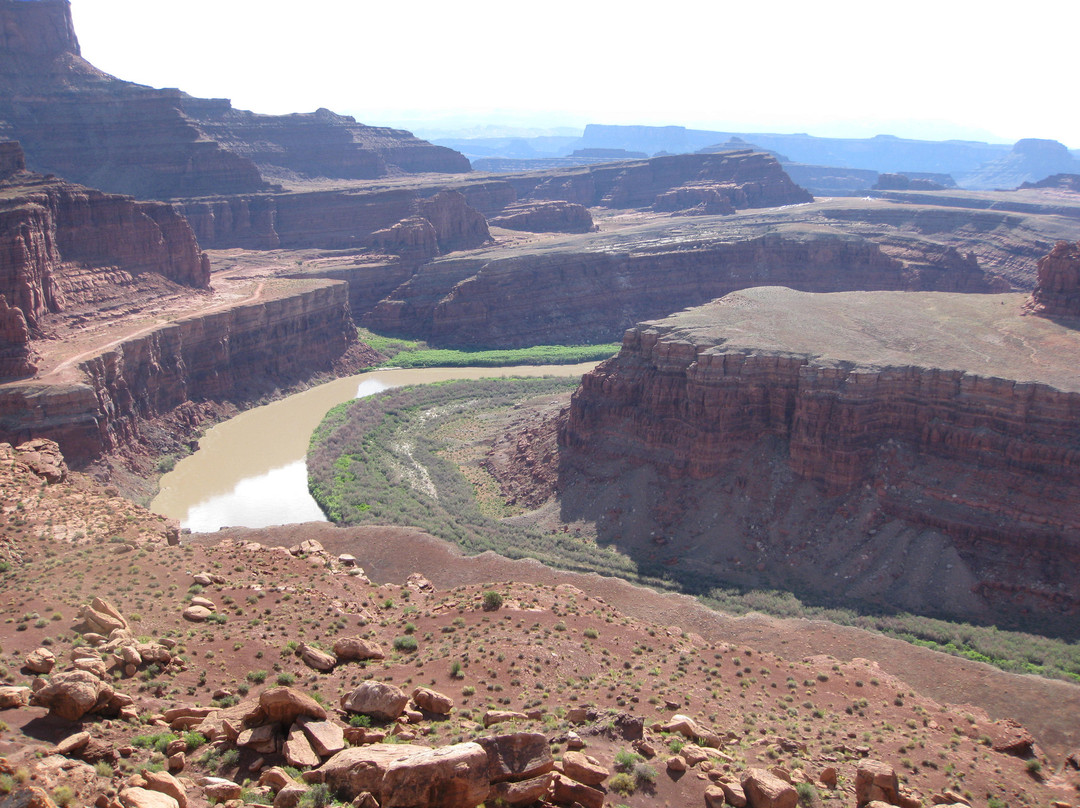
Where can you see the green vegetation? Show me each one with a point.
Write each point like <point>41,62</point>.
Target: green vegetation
<point>493,601</point>
<point>406,644</point>
<point>378,460</point>
<point>1014,651</point>
<point>412,354</point>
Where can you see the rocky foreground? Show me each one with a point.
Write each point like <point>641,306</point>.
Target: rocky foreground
<point>142,672</point>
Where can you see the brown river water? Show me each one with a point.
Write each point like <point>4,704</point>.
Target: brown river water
<point>250,471</point>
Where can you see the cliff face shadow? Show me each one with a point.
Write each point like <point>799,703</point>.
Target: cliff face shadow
<point>760,531</point>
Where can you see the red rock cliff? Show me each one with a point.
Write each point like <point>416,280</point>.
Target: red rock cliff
<point>989,463</point>
<point>232,355</point>
<point>50,230</point>
<point>592,297</point>
<point>1057,293</point>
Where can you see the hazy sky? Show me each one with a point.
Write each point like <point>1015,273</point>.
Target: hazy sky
<point>921,68</point>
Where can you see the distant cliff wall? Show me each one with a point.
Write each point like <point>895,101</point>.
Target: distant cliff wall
<point>592,297</point>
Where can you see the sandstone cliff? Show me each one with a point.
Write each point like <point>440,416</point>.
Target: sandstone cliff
<point>545,217</point>
<point>740,179</point>
<point>943,483</point>
<point>232,355</point>
<point>1057,293</point>
<point>593,296</point>
<point>58,241</point>
<point>89,127</point>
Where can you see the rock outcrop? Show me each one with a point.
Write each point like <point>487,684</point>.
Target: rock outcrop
<point>235,354</point>
<point>877,431</point>
<point>593,296</point>
<point>89,127</point>
<point>745,179</point>
<point>545,217</point>
<point>1057,293</point>
<point>59,241</point>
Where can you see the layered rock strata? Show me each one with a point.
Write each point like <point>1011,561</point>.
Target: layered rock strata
<point>60,242</point>
<point>1057,293</point>
<point>857,424</point>
<point>232,355</point>
<point>545,217</point>
<point>89,127</point>
<point>593,296</point>
<point>743,179</point>
<point>344,219</point>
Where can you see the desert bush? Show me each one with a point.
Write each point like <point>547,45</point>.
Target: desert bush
<point>493,601</point>
<point>406,644</point>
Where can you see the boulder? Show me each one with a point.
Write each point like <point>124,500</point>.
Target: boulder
<point>72,694</point>
<point>92,664</point>
<point>584,768</point>
<point>102,617</point>
<point>276,778</point>
<point>449,777</point>
<point>12,696</point>
<point>218,789</point>
<point>284,705</point>
<point>357,649</point>
<point>146,798</point>
<point>733,793</point>
<point>40,660</point>
<point>378,699</point>
<point>692,730</point>
<point>290,795</point>
<point>326,737</point>
<point>73,743</point>
<point>196,614</point>
<point>166,784</point>
<point>432,701</point>
<point>565,791</point>
<point>265,740</point>
<point>27,796</point>
<point>875,780</point>
<point>41,455</point>
<point>492,717</point>
<point>764,789</point>
<point>361,768</point>
<point>523,792</point>
<point>298,751</point>
<point>517,756</point>
<point>676,763</point>
<point>317,659</point>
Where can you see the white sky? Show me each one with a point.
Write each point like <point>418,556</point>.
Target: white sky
<point>849,68</point>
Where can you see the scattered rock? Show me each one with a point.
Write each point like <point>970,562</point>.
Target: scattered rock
<point>196,614</point>
<point>73,743</point>
<point>584,768</point>
<point>567,792</point>
<point>326,737</point>
<point>166,784</point>
<point>432,701</point>
<point>517,756</point>
<point>492,717</point>
<point>284,705</point>
<point>317,659</point>
<point>40,660</point>
<point>357,649</point>
<point>12,696</point>
<point>875,780</point>
<point>298,751</point>
<point>361,768</point>
<point>449,777</point>
<point>145,798</point>
<point>765,790</point>
<point>378,699</point>
<point>523,792</point>
<point>676,763</point>
<point>72,694</point>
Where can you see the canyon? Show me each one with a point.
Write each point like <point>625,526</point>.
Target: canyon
<point>850,446</point>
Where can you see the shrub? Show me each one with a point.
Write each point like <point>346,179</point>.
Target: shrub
<point>455,670</point>
<point>405,644</point>
<point>318,796</point>
<point>358,720</point>
<point>644,773</point>
<point>257,677</point>
<point>807,794</point>
<point>622,783</point>
<point>493,601</point>
<point>625,760</point>
<point>286,678</point>
<point>63,796</point>
<point>193,739</point>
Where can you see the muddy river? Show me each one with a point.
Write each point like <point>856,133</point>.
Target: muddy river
<point>250,471</point>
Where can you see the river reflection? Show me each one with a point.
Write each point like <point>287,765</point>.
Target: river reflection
<point>250,471</point>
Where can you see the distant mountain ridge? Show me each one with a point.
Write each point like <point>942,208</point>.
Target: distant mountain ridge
<point>89,127</point>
